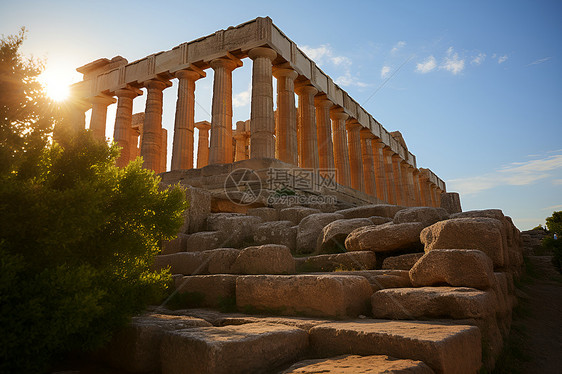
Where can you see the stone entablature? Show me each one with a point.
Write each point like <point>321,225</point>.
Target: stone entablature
<point>273,54</point>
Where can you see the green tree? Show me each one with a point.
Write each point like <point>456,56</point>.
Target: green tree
<point>554,223</point>
<point>554,226</point>
<point>77,235</point>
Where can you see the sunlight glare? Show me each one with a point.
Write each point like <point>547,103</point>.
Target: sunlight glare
<point>56,83</point>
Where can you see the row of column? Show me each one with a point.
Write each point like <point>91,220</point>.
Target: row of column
<point>317,134</point>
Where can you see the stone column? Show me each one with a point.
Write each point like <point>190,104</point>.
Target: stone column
<point>408,171</point>
<point>99,115</point>
<point>220,151</point>
<point>438,194</point>
<point>123,122</point>
<point>307,127</point>
<point>262,118</point>
<point>400,198</point>
<point>133,143</point>
<point>182,151</point>
<point>324,133</point>
<point>164,151</point>
<point>380,174</point>
<point>433,190</point>
<point>389,173</point>
<point>425,188</point>
<point>355,163</point>
<point>76,121</point>
<point>417,188</point>
<point>341,153</point>
<point>203,143</point>
<point>286,126</point>
<point>241,137</point>
<point>152,127</point>
<point>368,162</point>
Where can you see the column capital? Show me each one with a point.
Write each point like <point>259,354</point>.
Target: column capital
<point>338,115</point>
<point>306,90</point>
<point>262,52</point>
<point>158,84</point>
<point>366,133</point>
<point>397,156</point>
<point>322,101</point>
<point>228,63</point>
<point>189,74</point>
<point>352,124</point>
<point>128,91</point>
<point>102,99</point>
<point>289,73</point>
<point>203,125</point>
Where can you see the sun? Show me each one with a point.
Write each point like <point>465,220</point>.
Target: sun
<point>56,83</point>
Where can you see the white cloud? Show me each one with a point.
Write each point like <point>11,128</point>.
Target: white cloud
<point>553,207</point>
<point>452,62</point>
<point>557,182</point>
<point>516,174</point>
<point>385,72</point>
<point>347,80</point>
<point>540,61</point>
<point>397,47</point>
<point>243,98</point>
<point>427,65</point>
<point>479,59</point>
<point>502,59</point>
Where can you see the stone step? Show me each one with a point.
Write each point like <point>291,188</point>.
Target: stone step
<point>380,279</point>
<point>445,348</point>
<point>353,364</point>
<point>326,295</point>
<point>363,260</point>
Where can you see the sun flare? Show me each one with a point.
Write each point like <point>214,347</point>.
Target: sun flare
<point>56,83</point>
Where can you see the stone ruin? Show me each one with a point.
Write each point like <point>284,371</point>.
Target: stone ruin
<point>388,276</point>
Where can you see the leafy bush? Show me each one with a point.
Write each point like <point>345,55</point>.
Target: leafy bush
<point>554,226</point>
<point>77,243</point>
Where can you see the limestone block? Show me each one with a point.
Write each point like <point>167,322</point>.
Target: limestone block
<point>385,238</point>
<point>296,214</point>
<point>249,348</point>
<point>189,263</point>
<point>455,267</point>
<point>215,289</point>
<point>402,262</point>
<point>331,296</point>
<point>484,234</point>
<point>381,279</point>
<point>332,238</point>
<point>199,208</point>
<point>265,213</point>
<point>364,260</point>
<point>310,229</point>
<point>353,364</point>
<point>136,348</point>
<point>426,215</point>
<point>433,302</point>
<point>366,211</point>
<point>265,259</point>
<point>280,232</point>
<point>178,244</point>
<point>378,220</point>
<point>500,288</point>
<point>204,240</point>
<point>451,202</point>
<point>304,323</point>
<point>236,228</point>
<point>445,348</point>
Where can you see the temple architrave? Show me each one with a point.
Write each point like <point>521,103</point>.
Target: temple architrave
<point>328,129</point>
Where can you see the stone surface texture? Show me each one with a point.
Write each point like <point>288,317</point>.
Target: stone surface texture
<point>265,259</point>
<point>385,238</point>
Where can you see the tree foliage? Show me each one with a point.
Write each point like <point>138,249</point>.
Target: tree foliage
<point>554,226</point>
<point>77,234</point>
<point>554,223</point>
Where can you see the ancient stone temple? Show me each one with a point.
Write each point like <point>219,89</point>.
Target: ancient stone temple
<point>328,129</point>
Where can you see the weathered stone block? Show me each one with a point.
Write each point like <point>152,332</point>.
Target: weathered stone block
<point>266,214</point>
<point>334,234</point>
<point>455,267</point>
<point>311,295</point>
<point>234,227</point>
<point>199,208</point>
<point>310,229</point>
<point>426,215</point>
<point>249,348</point>
<point>280,232</point>
<point>176,245</point>
<point>381,279</point>
<point>402,262</point>
<point>433,302</point>
<point>204,241</point>
<point>214,289</point>
<point>385,238</point>
<point>451,202</point>
<point>445,348</point>
<point>366,211</point>
<point>359,364</point>
<point>296,214</point>
<point>265,259</point>
<point>364,260</point>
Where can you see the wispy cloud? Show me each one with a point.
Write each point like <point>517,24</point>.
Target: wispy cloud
<point>385,72</point>
<point>325,56</point>
<point>557,182</point>
<point>426,65</point>
<point>553,207</point>
<point>242,99</point>
<point>540,61</point>
<point>452,62</point>
<point>502,59</point>
<point>516,174</point>
<point>477,60</point>
<point>398,46</point>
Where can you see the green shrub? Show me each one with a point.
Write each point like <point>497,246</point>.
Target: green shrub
<point>78,237</point>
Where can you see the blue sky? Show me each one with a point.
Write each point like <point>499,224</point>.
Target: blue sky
<point>475,87</point>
